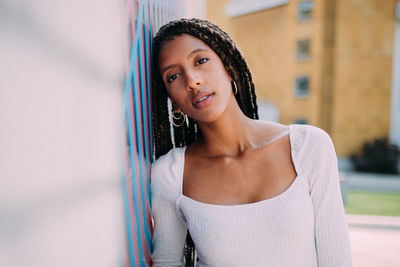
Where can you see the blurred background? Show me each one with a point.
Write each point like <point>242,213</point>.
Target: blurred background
<point>75,147</point>
<point>334,64</point>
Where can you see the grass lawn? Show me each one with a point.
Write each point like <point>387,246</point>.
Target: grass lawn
<point>386,204</point>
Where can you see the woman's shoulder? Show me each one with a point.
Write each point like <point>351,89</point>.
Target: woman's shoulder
<point>312,147</point>
<point>307,129</point>
<point>301,135</point>
<point>308,137</point>
<point>167,169</point>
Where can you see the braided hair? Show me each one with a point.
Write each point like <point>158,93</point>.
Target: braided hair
<point>234,63</point>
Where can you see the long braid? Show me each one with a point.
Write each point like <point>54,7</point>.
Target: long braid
<point>160,121</point>
<point>234,63</point>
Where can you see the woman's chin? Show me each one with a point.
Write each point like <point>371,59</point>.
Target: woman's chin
<point>208,118</point>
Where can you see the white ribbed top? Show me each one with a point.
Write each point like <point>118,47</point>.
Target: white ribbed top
<point>303,226</point>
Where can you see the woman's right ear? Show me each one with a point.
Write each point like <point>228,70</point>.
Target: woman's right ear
<point>176,109</point>
<point>173,103</point>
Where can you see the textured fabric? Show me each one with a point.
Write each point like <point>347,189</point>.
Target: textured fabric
<point>303,226</point>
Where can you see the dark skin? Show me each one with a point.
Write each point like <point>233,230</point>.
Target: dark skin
<point>239,160</point>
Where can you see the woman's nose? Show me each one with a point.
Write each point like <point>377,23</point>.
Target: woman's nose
<point>193,80</point>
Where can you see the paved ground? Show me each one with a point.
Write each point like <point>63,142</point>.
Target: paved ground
<point>375,240</point>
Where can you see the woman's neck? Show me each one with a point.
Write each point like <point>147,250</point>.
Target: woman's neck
<point>230,135</point>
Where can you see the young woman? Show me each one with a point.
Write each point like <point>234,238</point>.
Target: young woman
<point>249,192</point>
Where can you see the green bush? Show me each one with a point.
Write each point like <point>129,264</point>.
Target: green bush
<point>378,156</point>
<point>373,203</point>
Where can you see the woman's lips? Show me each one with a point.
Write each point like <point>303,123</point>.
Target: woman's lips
<point>204,101</point>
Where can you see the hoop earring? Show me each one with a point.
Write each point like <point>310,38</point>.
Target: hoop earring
<point>234,86</point>
<point>181,116</point>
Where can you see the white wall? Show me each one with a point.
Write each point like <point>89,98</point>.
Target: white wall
<point>61,78</point>
<point>196,9</point>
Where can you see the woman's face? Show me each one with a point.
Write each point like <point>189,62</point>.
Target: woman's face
<point>195,78</point>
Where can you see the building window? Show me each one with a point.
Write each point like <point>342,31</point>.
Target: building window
<point>303,49</point>
<point>302,87</point>
<point>304,11</point>
<point>300,121</point>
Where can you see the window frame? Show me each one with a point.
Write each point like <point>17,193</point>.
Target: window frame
<point>305,6</point>
<point>303,56</point>
<point>300,120</point>
<point>297,90</point>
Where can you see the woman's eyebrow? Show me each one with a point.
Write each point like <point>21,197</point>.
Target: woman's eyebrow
<point>197,50</point>
<point>189,55</point>
<point>167,68</point>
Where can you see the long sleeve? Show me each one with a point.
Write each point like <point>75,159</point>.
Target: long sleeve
<point>169,226</point>
<point>331,232</point>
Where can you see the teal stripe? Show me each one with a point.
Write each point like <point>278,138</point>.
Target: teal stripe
<point>129,120</point>
<point>148,101</point>
<point>128,218</point>
<point>138,129</point>
<point>140,145</point>
<point>128,85</point>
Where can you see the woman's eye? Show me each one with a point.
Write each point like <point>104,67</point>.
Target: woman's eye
<point>202,61</point>
<point>171,78</point>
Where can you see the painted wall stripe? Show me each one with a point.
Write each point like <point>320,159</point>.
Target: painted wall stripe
<point>143,23</point>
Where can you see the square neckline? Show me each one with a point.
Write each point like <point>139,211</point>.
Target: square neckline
<point>256,203</point>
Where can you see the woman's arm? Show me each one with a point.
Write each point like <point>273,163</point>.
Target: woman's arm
<point>169,227</point>
<point>331,232</point>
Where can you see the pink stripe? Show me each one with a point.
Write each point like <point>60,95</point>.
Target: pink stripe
<point>141,161</point>
<point>130,197</point>
<point>134,137</point>
<point>135,167</point>
<point>128,177</point>
<point>148,75</point>
<point>135,148</point>
<point>147,170</point>
<point>143,70</point>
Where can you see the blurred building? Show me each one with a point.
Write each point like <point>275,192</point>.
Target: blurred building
<point>324,62</point>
